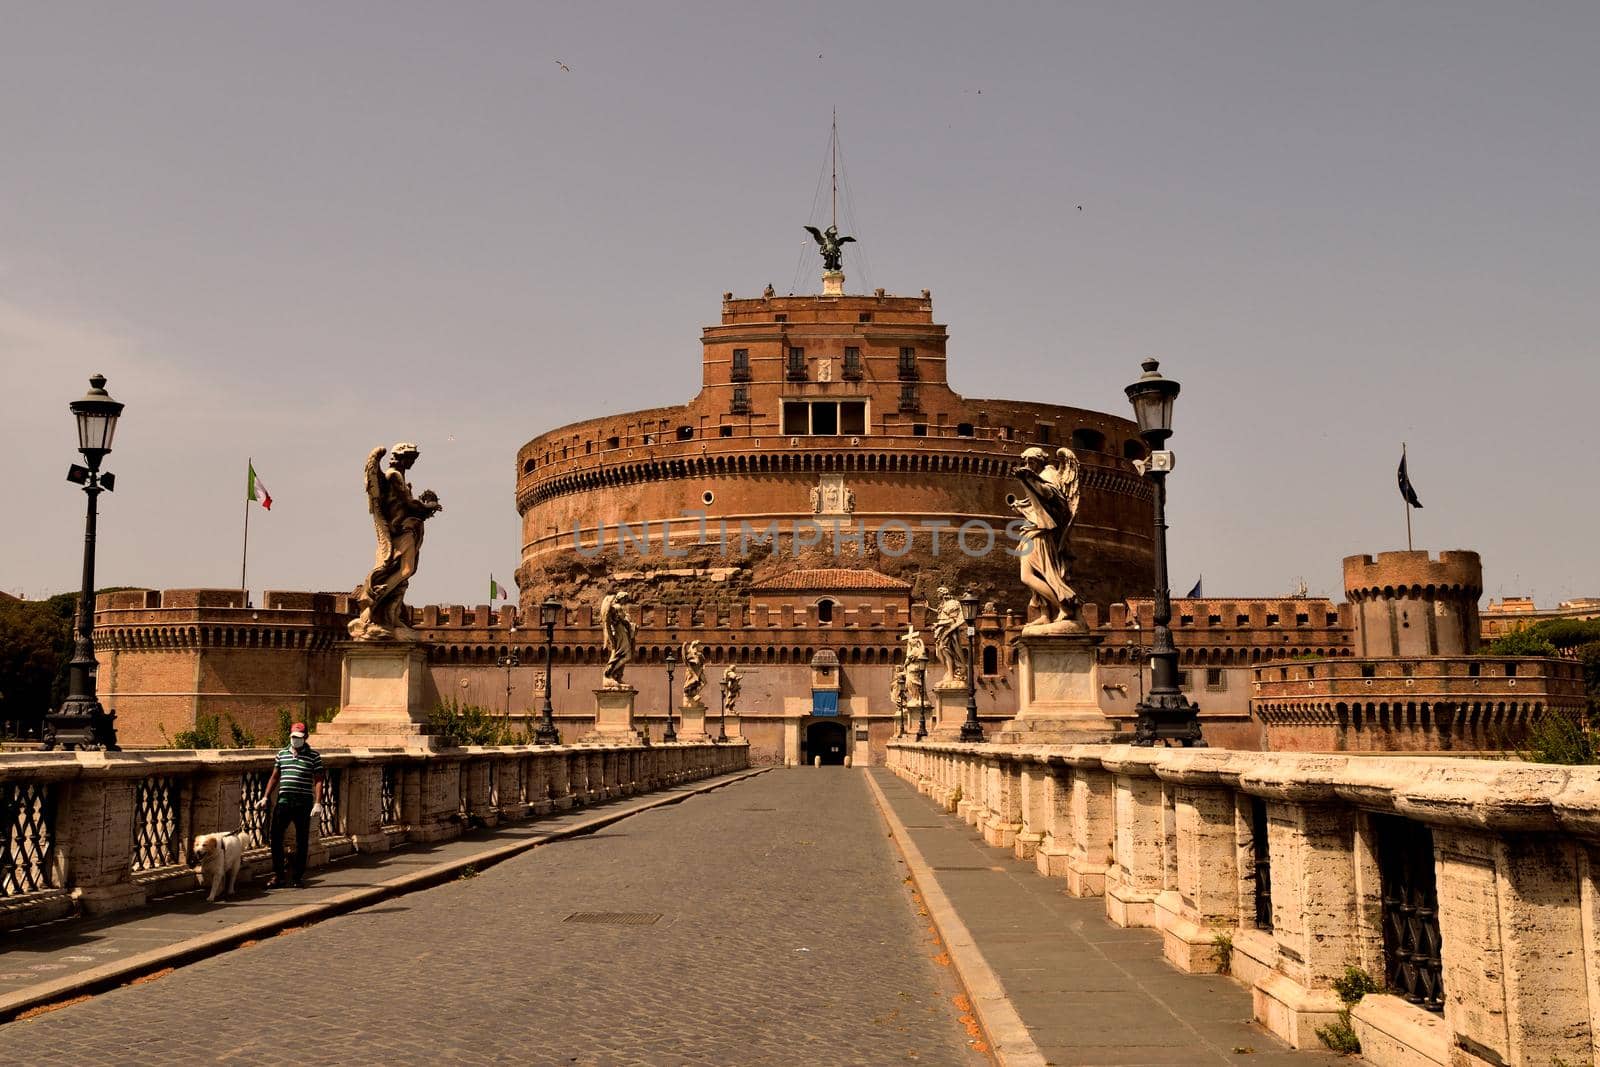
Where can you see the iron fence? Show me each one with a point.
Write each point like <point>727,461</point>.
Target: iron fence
<point>27,837</point>
<point>157,822</point>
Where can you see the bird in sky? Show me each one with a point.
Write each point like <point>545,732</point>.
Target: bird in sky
<point>563,66</point>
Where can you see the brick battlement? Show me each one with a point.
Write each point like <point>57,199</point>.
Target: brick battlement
<point>1400,573</point>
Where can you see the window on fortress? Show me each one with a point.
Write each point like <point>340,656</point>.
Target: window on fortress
<point>1213,620</point>
<point>796,420</point>
<point>991,660</point>
<point>1009,433</point>
<point>780,317</point>
<point>1185,620</point>
<point>685,433</point>
<point>824,611</point>
<point>1368,670</point>
<point>853,417</point>
<point>1302,619</point>
<point>613,442</point>
<point>1241,620</point>
<point>1183,679</point>
<point>588,446</point>
<point>527,468</point>
<point>865,316</point>
<point>724,431</point>
<point>1272,618</point>
<point>963,429</point>
<point>741,365</point>
<point>1472,670</point>
<point>825,419</point>
<point>919,429</point>
<point>1511,670</point>
<point>649,438</point>
<point>1043,434</point>
<point>1091,440</point>
<point>1215,678</point>
<point>1132,449</point>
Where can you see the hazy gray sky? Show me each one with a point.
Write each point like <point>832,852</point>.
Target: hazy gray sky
<point>294,231</point>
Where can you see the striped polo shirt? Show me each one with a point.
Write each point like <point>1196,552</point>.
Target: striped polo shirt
<point>296,772</point>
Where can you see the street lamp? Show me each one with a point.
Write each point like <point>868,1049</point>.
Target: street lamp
<point>1165,715</point>
<point>82,722</point>
<point>971,730</point>
<point>549,612</point>
<point>671,735</point>
<point>507,661</point>
<point>922,717</point>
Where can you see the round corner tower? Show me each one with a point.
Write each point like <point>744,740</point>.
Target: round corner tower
<point>1410,604</point>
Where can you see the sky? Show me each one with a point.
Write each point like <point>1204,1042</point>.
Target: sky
<point>293,232</point>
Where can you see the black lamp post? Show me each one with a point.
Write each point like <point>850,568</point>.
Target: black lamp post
<point>971,730</point>
<point>549,612</point>
<point>671,735</point>
<point>1165,715</point>
<point>507,661</point>
<point>922,717</point>
<point>81,722</point>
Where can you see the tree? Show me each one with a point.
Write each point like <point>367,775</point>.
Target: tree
<point>35,647</point>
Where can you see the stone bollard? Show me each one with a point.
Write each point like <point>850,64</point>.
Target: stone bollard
<point>816,761</point>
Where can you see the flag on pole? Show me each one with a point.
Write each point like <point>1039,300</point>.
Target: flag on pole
<point>497,591</point>
<point>258,490</point>
<point>1195,592</point>
<point>1406,489</point>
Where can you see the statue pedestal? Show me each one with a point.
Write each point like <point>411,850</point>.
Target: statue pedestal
<point>1058,693</point>
<point>381,696</point>
<point>948,710</point>
<point>613,717</point>
<point>833,283</point>
<point>691,721</point>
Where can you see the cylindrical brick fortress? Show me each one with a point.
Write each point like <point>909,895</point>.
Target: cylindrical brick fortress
<point>830,420</point>
<point>1410,604</point>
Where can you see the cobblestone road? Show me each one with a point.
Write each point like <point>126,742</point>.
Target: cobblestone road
<point>786,935</point>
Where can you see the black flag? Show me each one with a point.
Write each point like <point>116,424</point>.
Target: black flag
<point>1406,489</point>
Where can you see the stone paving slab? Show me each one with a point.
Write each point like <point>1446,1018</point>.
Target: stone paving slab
<point>785,933</point>
<point>70,957</point>
<point>1088,992</point>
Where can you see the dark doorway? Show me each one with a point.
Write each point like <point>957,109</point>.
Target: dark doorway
<point>826,739</point>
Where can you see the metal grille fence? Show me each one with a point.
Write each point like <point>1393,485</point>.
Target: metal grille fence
<point>1261,854</point>
<point>332,822</point>
<point>389,796</point>
<point>254,819</point>
<point>1411,938</point>
<point>27,837</point>
<point>157,840</point>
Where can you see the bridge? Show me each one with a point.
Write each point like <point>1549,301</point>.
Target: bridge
<point>1090,904</point>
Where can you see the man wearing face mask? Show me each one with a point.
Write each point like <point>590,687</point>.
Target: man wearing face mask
<point>298,777</point>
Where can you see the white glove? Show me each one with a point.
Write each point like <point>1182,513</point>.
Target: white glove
<point>316,811</point>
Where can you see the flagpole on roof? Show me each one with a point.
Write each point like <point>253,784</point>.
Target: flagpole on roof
<point>244,562</point>
<point>1408,501</point>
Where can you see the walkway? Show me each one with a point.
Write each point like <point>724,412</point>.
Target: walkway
<point>765,922</point>
<point>1087,992</point>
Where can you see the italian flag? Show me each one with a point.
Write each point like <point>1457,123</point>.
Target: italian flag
<point>496,590</point>
<point>258,490</point>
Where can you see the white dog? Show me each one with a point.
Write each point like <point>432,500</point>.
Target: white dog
<point>220,856</point>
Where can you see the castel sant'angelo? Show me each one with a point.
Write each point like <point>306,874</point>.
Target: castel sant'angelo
<point>796,517</point>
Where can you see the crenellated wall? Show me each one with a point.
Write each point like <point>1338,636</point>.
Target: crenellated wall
<point>1411,604</point>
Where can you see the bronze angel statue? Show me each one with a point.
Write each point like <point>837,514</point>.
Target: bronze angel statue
<point>397,516</point>
<point>1049,506</point>
<point>832,246</point>
<point>694,672</point>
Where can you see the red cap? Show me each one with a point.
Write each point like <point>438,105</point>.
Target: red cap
<point>297,730</point>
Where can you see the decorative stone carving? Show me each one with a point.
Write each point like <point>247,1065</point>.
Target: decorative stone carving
<point>831,497</point>
<point>1048,505</point>
<point>397,517</point>
<point>947,643</point>
<point>730,690</point>
<point>618,630</point>
<point>915,668</point>
<point>694,672</point>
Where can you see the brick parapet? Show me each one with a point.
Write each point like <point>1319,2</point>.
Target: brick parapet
<point>1455,571</point>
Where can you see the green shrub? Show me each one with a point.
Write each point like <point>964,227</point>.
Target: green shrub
<point>1223,944</point>
<point>1340,1036</point>
<point>208,733</point>
<point>456,724</point>
<point>1529,642</point>
<point>1557,738</point>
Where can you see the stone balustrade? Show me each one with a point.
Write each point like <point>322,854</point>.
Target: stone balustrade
<point>1469,889</point>
<point>93,832</point>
